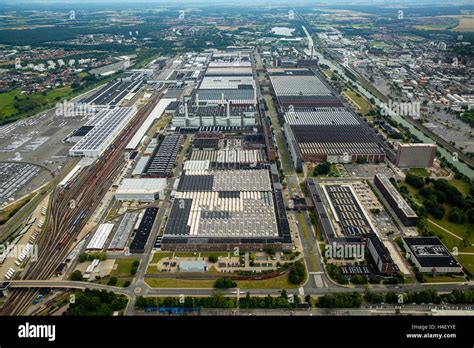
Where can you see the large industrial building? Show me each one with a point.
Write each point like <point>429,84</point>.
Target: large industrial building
<point>115,92</point>
<point>430,255</point>
<point>343,220</point>
<point>317,125</point>
<point>222,209</point>
<point>161,163</point>
<point>415,155</point>
<point>227,196</point>
<point>101,136</point>
<point>142,190</point>
<point>403,210</point>
<point>332,143</point>
<point>226,95</point>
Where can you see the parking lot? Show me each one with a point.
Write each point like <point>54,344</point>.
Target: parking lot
<point>14,177</point>
<point>35,140</point>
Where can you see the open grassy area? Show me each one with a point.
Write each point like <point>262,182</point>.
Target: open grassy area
<point>328,73</point>
<point>24,103</point>
<point>285,160</point>
<point>120,281</point>
<point>124,267</point>
<point>312,257</point>
<point>122,272</point>
<point>163,121</point>
<point>467,261</point>
<point>444,279</point>
<point>458,230</point>
<point>461,185</point>
<point>441,26</point>
<point>280,282</point>
<point>6,103</point>
<point>179,283</point>
<point>302,224</point>
<point>362,104</point>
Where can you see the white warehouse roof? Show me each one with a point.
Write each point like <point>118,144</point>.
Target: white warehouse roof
<point>141,189</point>
<point>94,143</point>
<point>100,237</point>
<point>154,115</point>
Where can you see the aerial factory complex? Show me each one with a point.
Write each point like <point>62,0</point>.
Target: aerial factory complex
<point>312,159</point>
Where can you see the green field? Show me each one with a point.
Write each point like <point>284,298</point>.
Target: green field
<point>462,231</point>
<point>444,279</point>
<point>362,104</point>
<point>179,283</point>
<point>461,185</point>
<point>6,103</point>
<point>122,272</point>
<point>418,172</point>
<point>312,257</point>
<point>124,267</point>
<point>280,282</point>
<point>27,103</point>
<point>467,261</point>
<point>449,239</point>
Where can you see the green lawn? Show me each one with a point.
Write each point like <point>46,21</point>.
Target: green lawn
<point>418,171</point>
<point>280,282</point>
<point>461,185</point>
<point>467,261</point>
<point>158,256</point>
<point>12,209</point>
<point>122,272</point>
<point>449,240</point>
<point>124,267</point>
<point>312,257</point>
<point>444,279</point>
<point>362,104</point>
<point>30,102</point>
<point>179,283</point>
<point>6,103</point>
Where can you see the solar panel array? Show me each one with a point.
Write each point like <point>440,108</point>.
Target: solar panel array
<point>114,92</point>
<point>235,96</point>
<point>161,163</point>
<point>322,116</point>
<point>103,134</point>
<point>229,156</point>
<point>348,210</point>
<point>216,214</point>
<point>334,140</point>
<point>298,86</point>
<point>143,232</point>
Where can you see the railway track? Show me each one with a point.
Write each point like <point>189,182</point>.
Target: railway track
<point>69,210</point>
